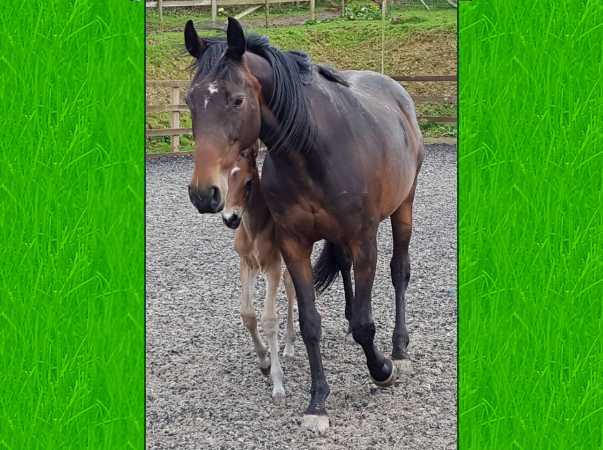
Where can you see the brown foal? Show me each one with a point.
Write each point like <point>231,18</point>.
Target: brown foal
<point>255,242</point>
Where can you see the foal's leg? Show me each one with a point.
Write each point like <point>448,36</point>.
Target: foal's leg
<point>290,290</point>
<point>270,324</point>
<point>297,258</point>
<point>363,326</point>
<point>248,277</point>
<point>401,222</point>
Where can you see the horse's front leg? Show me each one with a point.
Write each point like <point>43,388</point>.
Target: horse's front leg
<point>290,291</point>
<point>270,324</point>
<point>363,327</point>
<point>248,277</point>
<point>297,259</point>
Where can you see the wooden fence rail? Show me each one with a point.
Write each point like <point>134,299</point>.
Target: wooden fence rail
<point>160,4</point>
<point>175,107</point>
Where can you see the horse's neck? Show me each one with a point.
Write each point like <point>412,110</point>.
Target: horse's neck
<point>256,216</point>
<point>261,69</point>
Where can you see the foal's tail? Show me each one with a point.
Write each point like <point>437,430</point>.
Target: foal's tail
<point>327,267</point>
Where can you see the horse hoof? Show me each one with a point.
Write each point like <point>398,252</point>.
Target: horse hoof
<point>278,395</point>
<point>288,352</point>
<point>317,424</point>
<point>390,380</point>
<point>403,366</point>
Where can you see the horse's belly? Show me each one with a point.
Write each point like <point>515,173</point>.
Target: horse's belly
<point>395,185</point>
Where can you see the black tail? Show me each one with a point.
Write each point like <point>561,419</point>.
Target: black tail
<point>327,267</point>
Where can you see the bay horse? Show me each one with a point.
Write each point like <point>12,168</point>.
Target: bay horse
<point>344,153</point>
<point>255,242</point>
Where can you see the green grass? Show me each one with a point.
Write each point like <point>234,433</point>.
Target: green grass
<point>530,225</point>
<point>173,19</point>
<point>345,44</point>
<point>71,225</point>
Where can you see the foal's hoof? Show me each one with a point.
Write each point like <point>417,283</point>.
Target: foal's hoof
<point>403,366</point>
<point>389,380</point>
<point>288,352</point>
<point>317,424</point>
<point>278,395</point>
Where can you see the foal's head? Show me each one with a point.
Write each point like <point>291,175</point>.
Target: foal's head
<point>224,100</point>
<point>240,185</point>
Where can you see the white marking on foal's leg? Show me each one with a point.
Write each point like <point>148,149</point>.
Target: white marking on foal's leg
<point>270,324</point>
<point>248,277</point>
<point>291,300</point>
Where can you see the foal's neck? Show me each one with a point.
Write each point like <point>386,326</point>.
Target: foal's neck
<point>256,216</point>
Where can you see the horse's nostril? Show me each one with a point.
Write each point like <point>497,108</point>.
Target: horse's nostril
<point>215,197</point>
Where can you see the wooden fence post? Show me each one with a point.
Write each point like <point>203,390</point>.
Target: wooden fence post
<point>312,9</point>
<point>160,7</point>
<point>214,11</point>
<point>342,8</point>
<point>266,12</point>
<point>175,100</point>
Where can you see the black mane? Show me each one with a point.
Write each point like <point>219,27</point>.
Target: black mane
<point>291,71</point>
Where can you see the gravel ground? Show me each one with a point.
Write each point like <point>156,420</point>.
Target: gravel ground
<point>204,389</point>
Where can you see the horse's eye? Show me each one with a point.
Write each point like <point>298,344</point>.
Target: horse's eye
<point>248,185</point>
<point>238,101</point>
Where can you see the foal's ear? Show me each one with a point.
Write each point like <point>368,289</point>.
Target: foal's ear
<point>236,39</point>
<point>250,153</point>
<point>255,149</point>
<point>194,44</point>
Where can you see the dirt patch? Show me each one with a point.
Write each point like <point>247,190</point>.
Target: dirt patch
<point>426,53</point>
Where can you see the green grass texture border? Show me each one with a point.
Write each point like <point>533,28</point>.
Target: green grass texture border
<point>530,224</point>
<point>72,225</point>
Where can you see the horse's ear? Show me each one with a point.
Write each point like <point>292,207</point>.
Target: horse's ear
<point>194,44</point>
<point>236,39</point>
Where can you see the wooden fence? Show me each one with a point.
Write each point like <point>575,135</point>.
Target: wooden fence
<point>160,4</point>
<point>176,107</point>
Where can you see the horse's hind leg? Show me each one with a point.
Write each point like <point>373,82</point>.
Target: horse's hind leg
<point>290,290</point>
<point>270,325</point>
<point>248,277</point>
<point>363,326</point>
<point>401,222</point>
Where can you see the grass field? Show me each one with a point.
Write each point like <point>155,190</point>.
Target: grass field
<point>71,225</point>
<point>422,42</point>
<point>530,225</point>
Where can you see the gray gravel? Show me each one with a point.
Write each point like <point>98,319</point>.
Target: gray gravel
<point>204,389</point>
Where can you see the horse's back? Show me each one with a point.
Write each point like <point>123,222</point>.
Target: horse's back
<point>393,143</point>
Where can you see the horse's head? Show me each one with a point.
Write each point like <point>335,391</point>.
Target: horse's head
<point>226,115</point>
<point>240,185</point>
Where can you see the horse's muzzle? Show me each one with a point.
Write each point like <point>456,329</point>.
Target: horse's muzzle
<point>206,201</point>
<point>232,221</point>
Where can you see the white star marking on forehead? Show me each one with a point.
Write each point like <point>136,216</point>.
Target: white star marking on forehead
<point>212,89</point>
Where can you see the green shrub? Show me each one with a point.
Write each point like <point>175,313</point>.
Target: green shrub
<point>362,12</point>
